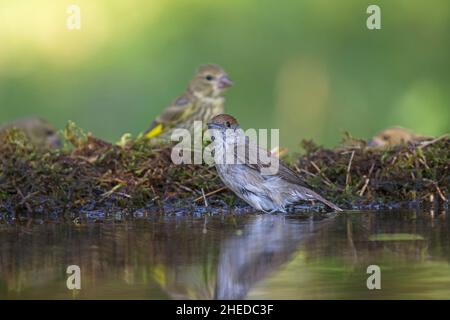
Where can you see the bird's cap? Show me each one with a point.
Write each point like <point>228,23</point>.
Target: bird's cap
<point>210,67</point>
<point>223,121</point>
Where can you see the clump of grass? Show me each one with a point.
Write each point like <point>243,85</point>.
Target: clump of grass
<point>358,176</point>
<point>93,175</point>
<point>90,175</point>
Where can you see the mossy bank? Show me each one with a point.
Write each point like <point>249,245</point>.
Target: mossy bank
<point>91,176</point>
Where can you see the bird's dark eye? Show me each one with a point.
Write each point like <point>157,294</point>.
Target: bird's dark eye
<point>228,124</point>
<point>209,77</point>
<point>49,132</point>
<point>385,138</point>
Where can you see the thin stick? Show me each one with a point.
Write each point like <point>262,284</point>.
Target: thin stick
<point>326,180</point>
<point>441,195</point>
<point>363,189</point>
<point>204,199</point>
<point>393,160</point>
<point>24,200</point>
<point>209,194</point>
<point>371,169</point>
<point>184,187</point>
<point>427,143</point>
<point>367,180</point>
<point>114,189</point>
<point>423,161</point>
<point>312,175</point>
<point>347,176</point>
<point>307,172</point>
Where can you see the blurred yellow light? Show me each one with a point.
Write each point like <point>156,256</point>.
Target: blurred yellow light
<point>31,30</point>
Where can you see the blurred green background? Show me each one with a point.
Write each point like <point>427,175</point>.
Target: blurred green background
<point>310,68</point>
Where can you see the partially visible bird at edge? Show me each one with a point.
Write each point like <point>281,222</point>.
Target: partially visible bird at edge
<point>39,131</point>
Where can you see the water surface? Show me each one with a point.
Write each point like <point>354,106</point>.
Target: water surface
<point>229,257</point>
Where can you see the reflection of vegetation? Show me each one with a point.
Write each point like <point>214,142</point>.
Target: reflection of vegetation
<point>96,175</point>
<point>252,256</point>
<point>36,255</point>
<point>147,259</point>
<point>188,258</point>
<point>395,237</point>
<point>333,263</point>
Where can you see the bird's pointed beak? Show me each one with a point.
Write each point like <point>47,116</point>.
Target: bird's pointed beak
<point>225,82</point>
<point>213,125</point>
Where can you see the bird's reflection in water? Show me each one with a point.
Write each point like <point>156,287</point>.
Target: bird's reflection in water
<point>263,246</point>
<point>233,256</point>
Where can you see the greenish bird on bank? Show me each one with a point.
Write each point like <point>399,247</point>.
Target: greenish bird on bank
<point>201,101</point>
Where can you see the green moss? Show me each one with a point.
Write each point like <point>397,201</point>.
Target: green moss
<point>404,173</point>
<point>90,174</point>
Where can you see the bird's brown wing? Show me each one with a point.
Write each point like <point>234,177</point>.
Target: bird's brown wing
<point>284,171</point>
<point>289,175</point>
<point>172,114</point>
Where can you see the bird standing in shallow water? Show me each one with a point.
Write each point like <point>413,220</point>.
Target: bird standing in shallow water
<point>265,192</point>
<point>201,101</point>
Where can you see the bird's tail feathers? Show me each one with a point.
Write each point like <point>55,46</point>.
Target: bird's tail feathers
<point>324,201</point>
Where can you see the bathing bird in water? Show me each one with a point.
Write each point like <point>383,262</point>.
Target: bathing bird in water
<point>249,177</point>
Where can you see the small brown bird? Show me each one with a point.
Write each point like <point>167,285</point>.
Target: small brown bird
<point>394,136</point>
<point>39,131</point>
<point>201,101</point>
<point>265,192</point>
